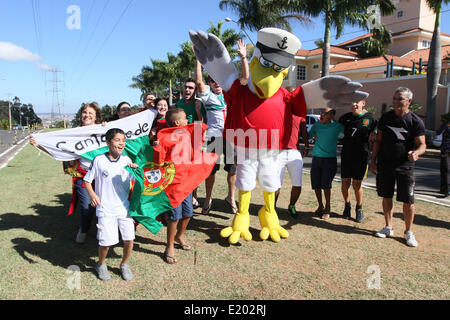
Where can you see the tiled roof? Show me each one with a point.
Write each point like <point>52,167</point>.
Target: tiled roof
<point>372,63</point>
<point>425,53</point>
<point>319,51</point>
<point>367,35</point>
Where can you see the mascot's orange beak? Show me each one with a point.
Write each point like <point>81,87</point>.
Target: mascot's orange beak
<point>266,81</point>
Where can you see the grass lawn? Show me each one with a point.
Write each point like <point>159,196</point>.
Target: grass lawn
<point>322,259</point>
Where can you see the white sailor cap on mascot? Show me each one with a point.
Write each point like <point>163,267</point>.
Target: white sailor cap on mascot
<point>263,106</point>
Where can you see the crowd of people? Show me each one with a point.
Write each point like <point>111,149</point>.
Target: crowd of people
<point>398,139</point>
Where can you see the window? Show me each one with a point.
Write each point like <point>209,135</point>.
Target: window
<point>400,14</point>
<point>315,66</point>
<point>426,43</point>
<point>301,72</point>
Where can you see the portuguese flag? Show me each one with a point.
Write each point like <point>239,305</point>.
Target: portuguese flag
<point>169,172</point>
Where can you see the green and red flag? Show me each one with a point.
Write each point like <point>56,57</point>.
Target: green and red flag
<point>169,172</point>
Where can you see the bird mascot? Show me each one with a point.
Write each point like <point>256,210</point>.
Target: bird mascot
<point>257,114</point>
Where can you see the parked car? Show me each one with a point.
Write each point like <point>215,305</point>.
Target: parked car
<point>311,119</point>
<point>436,142</point>
<point>17,127</point>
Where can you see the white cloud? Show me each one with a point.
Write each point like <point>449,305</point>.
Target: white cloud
<point>12,52</point>
<point>45,67</point>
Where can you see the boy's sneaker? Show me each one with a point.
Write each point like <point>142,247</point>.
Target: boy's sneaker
<point>385,232</point>
<point>126,272</point>
<point>359,215</point>
<point>81,237</point>
<point>102,272</point>
<point>292,211</point>
<point>347,212</point>
<point>410,239</point>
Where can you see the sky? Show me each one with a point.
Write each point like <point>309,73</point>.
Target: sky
<point>97,57</point>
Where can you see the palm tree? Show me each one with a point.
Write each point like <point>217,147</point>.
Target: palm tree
<point>337,14</point>
<point>376,45</point>
<point>255,14</point>
<point>163,75</point>
<point>229,37</point>
<point>434,63</point>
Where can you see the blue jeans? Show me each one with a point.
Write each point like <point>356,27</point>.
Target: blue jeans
<point>87,211</point>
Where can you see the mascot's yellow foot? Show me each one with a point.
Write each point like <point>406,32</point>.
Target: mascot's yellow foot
<point>268,219</point>
<point>240,227</point>
<point>241,221</point>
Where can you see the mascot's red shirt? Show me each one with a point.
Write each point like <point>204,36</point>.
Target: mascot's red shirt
<point>263,119</point>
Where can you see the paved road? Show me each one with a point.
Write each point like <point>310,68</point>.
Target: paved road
<point>9,138</point>
<point>427,177</point>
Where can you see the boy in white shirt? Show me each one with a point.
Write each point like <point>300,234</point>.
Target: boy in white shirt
<point>112,187</point>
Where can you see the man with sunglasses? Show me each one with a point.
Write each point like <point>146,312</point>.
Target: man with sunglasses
<point>399,143</point>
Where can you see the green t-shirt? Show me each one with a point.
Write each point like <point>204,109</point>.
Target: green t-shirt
<point>327,136</point>
<point>191,114</point>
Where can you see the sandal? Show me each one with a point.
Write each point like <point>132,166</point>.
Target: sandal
<point>167,257</point>
<point>185,247</point>
<point>207,209</point>
<point>195,203</point>
<point>234,208</point>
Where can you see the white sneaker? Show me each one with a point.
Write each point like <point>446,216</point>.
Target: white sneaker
<point>410,239</point>
<point>385,232</point>
<point>81,237</point>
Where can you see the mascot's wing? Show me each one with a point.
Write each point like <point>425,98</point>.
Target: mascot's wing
<point>214,57</point>
<point>333,91</point>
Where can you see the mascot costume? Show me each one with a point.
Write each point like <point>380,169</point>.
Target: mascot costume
<point>256,115</point>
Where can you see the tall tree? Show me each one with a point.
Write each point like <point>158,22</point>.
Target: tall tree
<point>335,13</point>
<point>159,77</point>
<point>434,64</point>
<point>254,14</point>
<point>376,45</point>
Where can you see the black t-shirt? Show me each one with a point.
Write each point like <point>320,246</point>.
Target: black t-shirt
<point>398,138</point>
<point>356,134</point>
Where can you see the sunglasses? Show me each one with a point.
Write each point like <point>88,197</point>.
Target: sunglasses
<point>189,87</point>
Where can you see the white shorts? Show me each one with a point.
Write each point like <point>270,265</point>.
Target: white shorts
<point>265,169</point>
<point>108,230</point>
<point>293,161</point>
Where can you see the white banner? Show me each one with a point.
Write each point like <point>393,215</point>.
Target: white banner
<point>70,144</point>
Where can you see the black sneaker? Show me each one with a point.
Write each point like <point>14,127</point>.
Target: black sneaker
<point>347,212</point>
<point>359,215</point>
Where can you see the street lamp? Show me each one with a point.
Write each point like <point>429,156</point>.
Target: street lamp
<point>228,19</point>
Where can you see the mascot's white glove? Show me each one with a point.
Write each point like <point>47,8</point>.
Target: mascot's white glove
<point>336,92</point>
<point>214,57</point>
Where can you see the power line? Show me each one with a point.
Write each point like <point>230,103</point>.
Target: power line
<point>37,31</point>
<point>82,31</point>
<point>90,38</point>
<point>109,35</point>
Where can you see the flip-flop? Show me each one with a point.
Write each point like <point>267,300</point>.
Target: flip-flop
<point>167,257</point>
<point>207,209</point>
<point>233,206</point>
<point>185,247</point>
<point>195,203</point>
